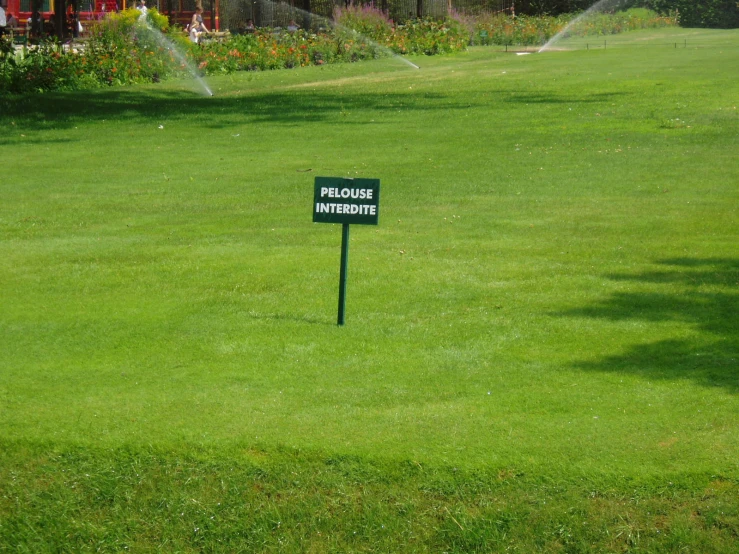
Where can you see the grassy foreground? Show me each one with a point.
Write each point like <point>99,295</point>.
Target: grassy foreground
<point>541,342</point>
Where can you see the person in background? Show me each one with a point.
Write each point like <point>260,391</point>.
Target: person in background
<point>3,20</point>
<point>250,26</point>
<point>35,24</point>
<point>292,27</point>
<point>142,7</point>
<point>12,22</point>
<point>197,26</point>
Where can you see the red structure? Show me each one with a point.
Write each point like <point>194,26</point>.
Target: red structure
<point>60,14</point>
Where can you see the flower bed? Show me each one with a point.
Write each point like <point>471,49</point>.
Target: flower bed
<point>124,49</point>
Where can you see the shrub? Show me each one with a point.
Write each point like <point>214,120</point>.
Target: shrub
<point>366,20</point>
<point>527,30</point>
<point>7,63</point>
<point>46,67</point>
<point>126,48</point>
<point>430,37</point>
<point>417,36</point>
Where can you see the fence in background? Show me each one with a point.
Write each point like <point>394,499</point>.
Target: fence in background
<point>314,14</point>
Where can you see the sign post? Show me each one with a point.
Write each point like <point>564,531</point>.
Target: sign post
<point>343,272</point>
<point>345,201</point>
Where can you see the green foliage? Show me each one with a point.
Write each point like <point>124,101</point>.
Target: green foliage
<point>723,14</point>
<point>8,63</point>
<point>704,13</point>
<point>429,37</point>
<point>45,67</point>
<point>265,50</point>
<point>693,13</point>
<point>555,7</point>
<point>121,50</point>
<point>125,50</point>
<point>415,36</point>
<point>603,24</point>
<point>365,19</point>
<point>525,30</point>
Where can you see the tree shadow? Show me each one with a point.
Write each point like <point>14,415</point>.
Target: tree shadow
<point>549,97</point>
<point>289,107</point>
<point>702,294</point>
<point>60,110</point>
<point>290,318</point>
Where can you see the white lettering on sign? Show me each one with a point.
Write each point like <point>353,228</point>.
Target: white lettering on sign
<point>347,201</point>
<point>357,194</point>
<point>356,209</point>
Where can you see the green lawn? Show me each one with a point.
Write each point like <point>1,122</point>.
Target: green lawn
<point>542,333</point>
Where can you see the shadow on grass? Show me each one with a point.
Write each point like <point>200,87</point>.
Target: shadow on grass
<point>291,107</point>
<point>702,294</point>
<point>290,318</point>
<point>528,97</point>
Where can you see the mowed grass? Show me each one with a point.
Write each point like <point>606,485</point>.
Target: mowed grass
<point>541,343</point>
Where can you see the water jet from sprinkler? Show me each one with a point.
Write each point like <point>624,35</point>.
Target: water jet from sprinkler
<point>600,5</point>
<point>275,13</point>
<point>146,29</point>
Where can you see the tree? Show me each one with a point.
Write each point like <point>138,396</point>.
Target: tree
<point>722,14</point>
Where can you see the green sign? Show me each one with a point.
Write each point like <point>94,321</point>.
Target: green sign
<point>340,200</point>
<point>345,201</point>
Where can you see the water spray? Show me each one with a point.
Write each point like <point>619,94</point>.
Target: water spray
<point>600,5</point>
<point>268,9</point>
<point>274,12</point>
<point>168,45</point>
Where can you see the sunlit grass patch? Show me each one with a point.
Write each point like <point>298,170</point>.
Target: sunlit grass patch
<point>540,349</point>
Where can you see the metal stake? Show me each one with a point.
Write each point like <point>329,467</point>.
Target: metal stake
<point>343,272</point>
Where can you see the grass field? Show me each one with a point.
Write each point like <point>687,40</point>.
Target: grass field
<point>541,343</point>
